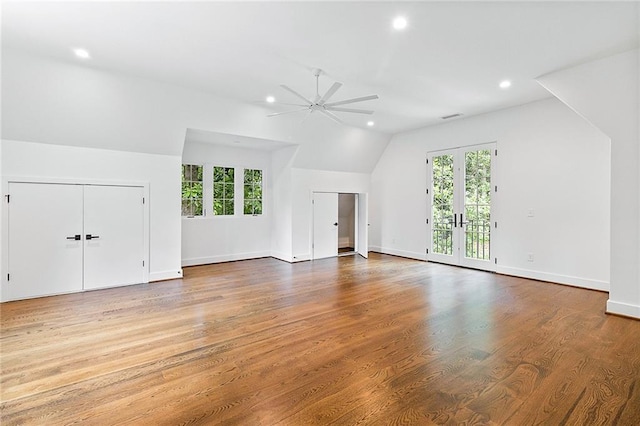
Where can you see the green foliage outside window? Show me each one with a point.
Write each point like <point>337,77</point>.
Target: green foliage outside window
<point>223,190</point>
<point>252,191</point>
<point>477,204</point>
<point>191,190</point>
<point>443,204</point>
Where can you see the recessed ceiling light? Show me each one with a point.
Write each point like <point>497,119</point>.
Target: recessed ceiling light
<point>271,99</point>
<point>82,53</point>
<point>400,23</point>
<point>370,123</point>
<point>505,84</point>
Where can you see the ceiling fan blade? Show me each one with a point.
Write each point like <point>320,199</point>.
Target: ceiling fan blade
<point>333,89</point>
<point>358,111</point>
<point>331,116</point>
<point>351,101</point>
<point>287,112</point>
<point>290,90</point>
<point>286,103</point>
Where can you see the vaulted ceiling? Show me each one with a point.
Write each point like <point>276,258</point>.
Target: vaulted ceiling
<point>450,58</point>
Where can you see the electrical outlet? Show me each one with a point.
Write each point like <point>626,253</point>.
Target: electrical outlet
<point>530,257</point>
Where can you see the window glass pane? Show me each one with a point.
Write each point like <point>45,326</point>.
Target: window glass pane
<point>217,207</point>
<point>228,207</point>
<point>443,204</point>
<point>191,190</point>
<point>252,191</point>
<point>477,201</point>
<point>229,175</point>
<point>186,208</point>
<point>197,207</point>
<point>228,191</point>
<point>218,190</point>
<point>248,207</point>
<point>223,190</point>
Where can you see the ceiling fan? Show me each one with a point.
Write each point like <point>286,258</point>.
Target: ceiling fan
<point>320,103</point>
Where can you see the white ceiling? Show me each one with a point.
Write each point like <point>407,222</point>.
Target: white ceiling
<point>235,141</point>
<point>449,60</point>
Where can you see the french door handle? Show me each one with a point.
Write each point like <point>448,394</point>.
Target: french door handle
<point>455,220</point>
<point>92,237</point>
<point>462,222</point>
<point>76,237</point>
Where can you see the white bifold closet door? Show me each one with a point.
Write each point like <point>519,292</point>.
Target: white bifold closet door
<point>363,226</point>
<point>325,225</point>
<point>113,236</point>
<point>45,240</point>
<point>68,238</point>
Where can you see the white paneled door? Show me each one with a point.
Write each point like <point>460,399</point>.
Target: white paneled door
<point>363,226</point>
<point>113,235</point>
<point>325,224</point>
<point>67,238</point>
<point>460,200</point>
<point>45,240</point>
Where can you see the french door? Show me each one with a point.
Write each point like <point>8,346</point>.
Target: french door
<point>460,199</point>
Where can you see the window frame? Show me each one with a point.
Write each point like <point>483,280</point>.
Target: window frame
<point>253,185</point>
<point>201,198</point>
<point>225,184</point>
<point>207,196</point>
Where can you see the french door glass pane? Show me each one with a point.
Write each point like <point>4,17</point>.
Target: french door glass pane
<point>443,204</point>
<point>477,204</point>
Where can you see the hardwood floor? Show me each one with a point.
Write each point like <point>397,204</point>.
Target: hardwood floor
<point>342,341</point>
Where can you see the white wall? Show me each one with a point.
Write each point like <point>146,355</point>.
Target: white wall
<point>162,172</point>
<point>305,182</point>
<point>282,202</point>
<point>549,160</point>
<point>606,92</point>
<point>212,239</point>
<point>67,103</point>
<point>327,145</point>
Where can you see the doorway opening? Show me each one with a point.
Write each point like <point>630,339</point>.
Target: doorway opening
<point>346,224</point>
<point>339,225</point>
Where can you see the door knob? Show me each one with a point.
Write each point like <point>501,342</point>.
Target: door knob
<point>92,237</point>
<point>76,237</point>
<point>335,224</point>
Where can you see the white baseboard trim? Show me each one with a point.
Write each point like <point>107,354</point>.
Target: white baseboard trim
<point>281,256</point>
<point>165,275</point>
<point>401,253</point>
<point>301,257</point>
<point>623,309</point>
<point>224,258</point>
<point>554,278</point>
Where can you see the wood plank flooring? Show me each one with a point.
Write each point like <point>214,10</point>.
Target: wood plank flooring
<point>343,341</point>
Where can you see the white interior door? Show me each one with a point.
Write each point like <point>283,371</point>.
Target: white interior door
<point>363,226</point>
<point>114,236</point>
<point>460,194</point>
<point>45,239</point>
<point>325,225</point>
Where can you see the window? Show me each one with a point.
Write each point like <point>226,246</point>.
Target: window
<point>191,190</point>
<point>223,190</point>
<point>252,191</point>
